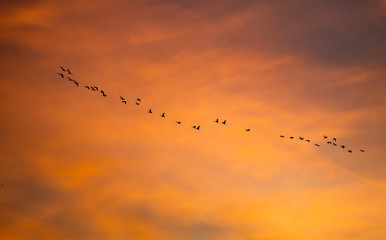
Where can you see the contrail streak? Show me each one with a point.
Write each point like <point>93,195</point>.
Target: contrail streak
<point>341,169</point>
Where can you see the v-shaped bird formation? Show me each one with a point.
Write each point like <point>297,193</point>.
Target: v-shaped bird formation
<point>196,127</point>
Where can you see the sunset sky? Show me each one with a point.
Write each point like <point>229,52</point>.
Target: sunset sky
<point>76,165</point>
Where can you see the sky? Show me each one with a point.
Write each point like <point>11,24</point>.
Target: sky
<point>76,165</point>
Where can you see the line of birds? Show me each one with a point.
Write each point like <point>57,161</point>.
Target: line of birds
<point>333,142</point>
<point>138,101</point>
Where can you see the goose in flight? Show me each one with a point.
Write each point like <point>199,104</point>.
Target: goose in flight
<point>334,144</point>
<point>64,70</point>
<point>282,136</point>
<point>68,70</point>
<point>123,99</point>
<point>216,120</point>
<point>178,122</point>
<point>103,93</point>
<point>349,151</point>
<point>149,111</point>
<point>96,88</point>
<point>329,142</point>
<point>342,146</point>
<point>77,84</point>
<point>292,137</point>
<point>334,139</point>
<point>307,140</point>
<point>362,150</point>
<point>225,122</point>
<point>194,127</point>
<point>92,88</point>
<point>198,127</point>
<point>163,115</point>
<point>61,74</point>
<point>138,99</point>
<point>87,87</point>
<point>317,145</point>
<point>301,138</point>
<point>325,136</point>
<point>248,130</point>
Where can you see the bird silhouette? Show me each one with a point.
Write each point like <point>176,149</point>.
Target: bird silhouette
<point>301,138</point>
<point>317,145</point>
<point>92,88</point>
<point>122,98</point>
<point>77,84</point>
<point>163,115</point>
<point>87,87</point>
<point>325,136</point>
<point>194,126</point>
<point>292,137</point>
<point>307,140</point>
<point>362,150</point>
<point>349,151</point>
<point>216,120</point>
<point>225,122</point>
<point>68,70</point>
<point>64,70</point>
<point>70,79</point>
<point>248,130</point>
<point>103,93</point>
<point>149,111</point>
<point>281,136</point>
<point>198,127</point>
<point>334,144</point>
<point>334,139</point>
<point>124,101</point>
<point>96,88</point>
<point>61,74</point>
<point>342,146</point>
<point>329,142</point>
<point>138,99</point>
<point>178,122</point>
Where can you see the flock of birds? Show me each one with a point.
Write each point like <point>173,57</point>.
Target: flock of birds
<point>197,127</point>
<point>332,142</point>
